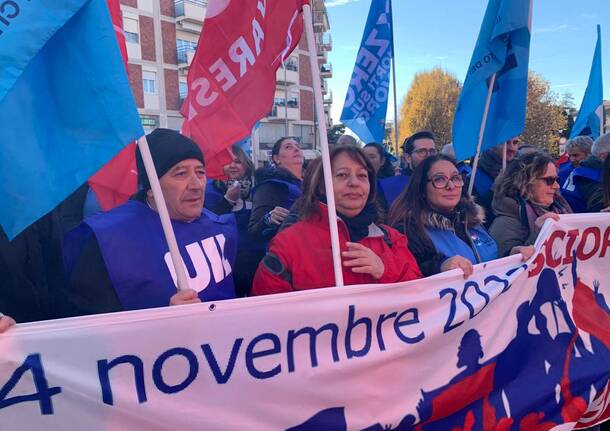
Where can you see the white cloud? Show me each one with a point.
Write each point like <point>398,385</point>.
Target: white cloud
<point>573,84</point>
<point>554,28</point>
<point>334,3</point>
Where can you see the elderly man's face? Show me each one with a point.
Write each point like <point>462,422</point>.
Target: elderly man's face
<point>183,188</point>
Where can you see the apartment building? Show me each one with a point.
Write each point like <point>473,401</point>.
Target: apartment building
<point>162,37</point>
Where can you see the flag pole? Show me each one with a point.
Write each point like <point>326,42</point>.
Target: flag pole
<point>504,157</point>
<point>255,145</point>
<point>481,133</point>
<point>166,223</point>
<point>394,81</point>
<point>317,95</point>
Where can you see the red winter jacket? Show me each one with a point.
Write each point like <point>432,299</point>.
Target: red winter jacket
<point>304,257</point>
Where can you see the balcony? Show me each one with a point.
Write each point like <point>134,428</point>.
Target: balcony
<point>185,57</point>
<point>287,76</point>
<point>327,42</point>
<point>326,70</point>
<point>322,56</point>
<point>328,100</point>
<point>190,14</point>
<point>282,113</point>
<point>320,21</point>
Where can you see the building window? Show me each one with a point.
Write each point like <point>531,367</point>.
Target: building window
<point>183,47</point>
<point>183,90</point>
<point>131,29</point>
<point>149,82</point>
<point>293,102</point>
<point>279,101</point>
<point>292,64</point>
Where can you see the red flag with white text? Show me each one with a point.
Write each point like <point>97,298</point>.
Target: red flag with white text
<point>232,78</point>
<point>117,180</point>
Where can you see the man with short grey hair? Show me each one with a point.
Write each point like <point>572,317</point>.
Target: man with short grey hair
<point>578,149</point>
<point>583,189</point>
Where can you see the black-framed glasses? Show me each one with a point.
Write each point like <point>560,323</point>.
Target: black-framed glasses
<point>441,181</point>
<point>549,181</point>
<point>425,152</point>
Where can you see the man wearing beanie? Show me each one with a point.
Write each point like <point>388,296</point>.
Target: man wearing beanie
<point>120,260</point>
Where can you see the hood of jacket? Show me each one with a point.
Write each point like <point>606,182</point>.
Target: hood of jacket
<point>274,173</point>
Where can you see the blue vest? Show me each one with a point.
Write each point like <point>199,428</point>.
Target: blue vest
<point>571,192</point>
<point>132,244</point>
<point>241,211</point>
<point>449,244</point>
<point>483,183</point>
<point>565,170</point>
<point>391,187</point>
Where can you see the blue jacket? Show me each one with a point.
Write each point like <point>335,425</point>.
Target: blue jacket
<point>480,247</point>
<point>571,191</point>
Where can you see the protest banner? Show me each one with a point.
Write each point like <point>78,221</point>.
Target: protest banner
<point>515,347</point>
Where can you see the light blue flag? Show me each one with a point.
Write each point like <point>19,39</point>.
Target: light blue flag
<point>589,121</point>
<point>502,49</point>
<point>65,104</point>
<point>366,102</point>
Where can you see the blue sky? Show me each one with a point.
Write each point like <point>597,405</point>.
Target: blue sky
<point>443,32</point>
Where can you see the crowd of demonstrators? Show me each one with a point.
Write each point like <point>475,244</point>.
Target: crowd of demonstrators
<point>278,186</point>
<point>416,148</point>
<point>489,168</point>
<point>527,194</point>
<point>118,260</point>
<point>584,185</point>
<point>370,252</point>
<point>234,196</point>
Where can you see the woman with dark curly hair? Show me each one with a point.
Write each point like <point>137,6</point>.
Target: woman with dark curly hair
<point>370,252</point>
<point>526,196</point>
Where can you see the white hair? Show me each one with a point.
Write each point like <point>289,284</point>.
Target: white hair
<point>601,145</point>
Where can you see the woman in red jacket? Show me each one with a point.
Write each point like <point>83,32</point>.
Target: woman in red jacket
<point>300,256</point>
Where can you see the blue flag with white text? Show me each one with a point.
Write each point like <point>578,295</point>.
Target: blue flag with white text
<point>502,49</point>
<point>366,103</point>
<point>589,121</point>
<point>66,107</point>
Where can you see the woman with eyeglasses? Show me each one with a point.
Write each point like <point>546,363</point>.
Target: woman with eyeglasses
<point>444,228</point>
<point>526,196</point>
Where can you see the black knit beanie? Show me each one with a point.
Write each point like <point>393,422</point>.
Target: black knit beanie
<point>167,147</point>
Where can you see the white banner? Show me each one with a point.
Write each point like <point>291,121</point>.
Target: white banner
<point>515,347</point>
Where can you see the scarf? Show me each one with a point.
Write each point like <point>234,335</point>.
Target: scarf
<point>358,226</point>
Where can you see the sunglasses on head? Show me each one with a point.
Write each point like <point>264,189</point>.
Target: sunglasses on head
<point>549,181</point>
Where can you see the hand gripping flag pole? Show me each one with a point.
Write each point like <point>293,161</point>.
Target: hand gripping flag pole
<point>166,223</point>
<point>328,183</point>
